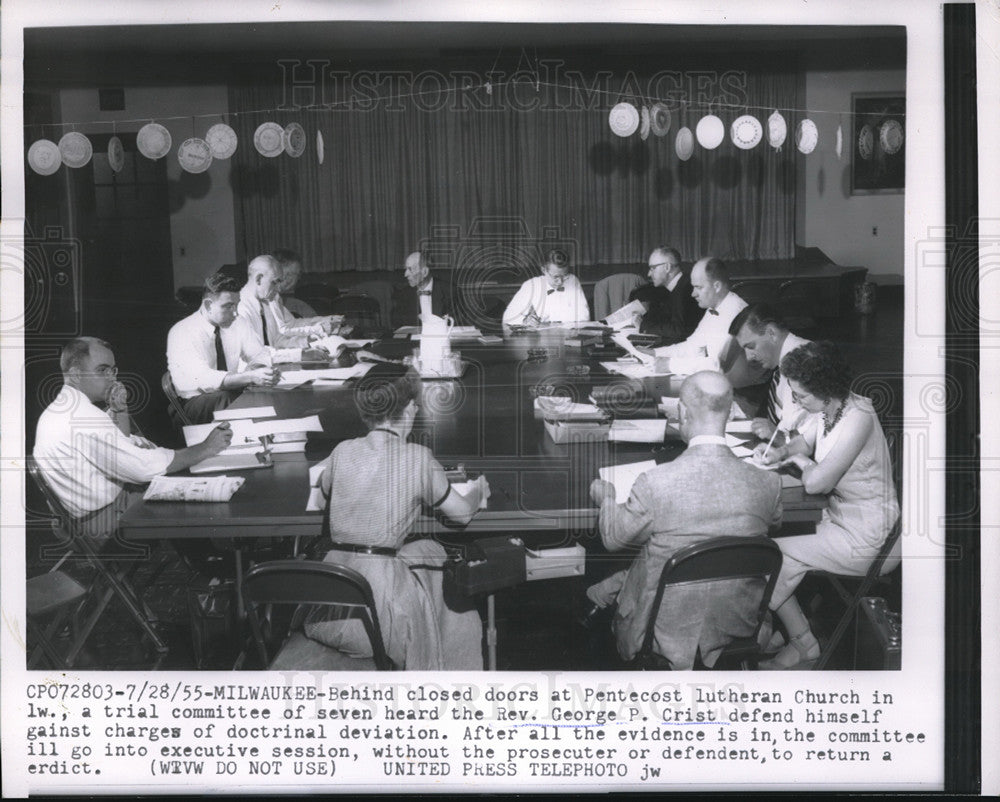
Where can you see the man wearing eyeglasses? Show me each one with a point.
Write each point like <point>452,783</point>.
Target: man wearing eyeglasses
<point>671,311</point>
<point>84,444</point>
<point>556,296</point>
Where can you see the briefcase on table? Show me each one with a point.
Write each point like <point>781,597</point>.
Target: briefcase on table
<point>879,636</point>
<point>487,564</point>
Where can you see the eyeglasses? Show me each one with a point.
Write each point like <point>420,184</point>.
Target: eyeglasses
<point>799,397</point>
<point>669,265</point>
<point>107,370</point>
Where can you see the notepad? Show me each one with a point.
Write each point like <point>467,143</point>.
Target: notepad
<point>624,476</point>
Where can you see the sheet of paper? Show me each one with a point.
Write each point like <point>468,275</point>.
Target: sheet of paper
<point>624,476</point>
<point>331,343</point>
<point>624,317</point>
<point>632,370</point>
<point>293,378</point>
<point>244,414</point>
<point>464,488</point>
<point>622,341</point>
<point>738,427</point>
<point>738,442</point>
<point>638,431</point>
<point>248,432</point>
<point>686,365</point>
<point>670,407</point>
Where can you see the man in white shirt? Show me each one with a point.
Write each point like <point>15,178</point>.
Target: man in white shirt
<point>765,339</point>
<point>711,337</point>
<point>260,305</point>
<point>213,353</point>
<point>553,297</point>
<point>84,447</point>
<point>294,316</point>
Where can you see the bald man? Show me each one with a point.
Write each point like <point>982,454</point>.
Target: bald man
<point>705,493</point>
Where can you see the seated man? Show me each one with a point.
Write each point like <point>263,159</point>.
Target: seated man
<point>765,339</point>
<point>292,313</point>
<point>260,306</point>
<point>671,312</point>
<point>711,338</point>
<point>705,493</point>
<point>212,354</point>
<point>433,297</point>
<point>553,297</point>
<point>84,447</point>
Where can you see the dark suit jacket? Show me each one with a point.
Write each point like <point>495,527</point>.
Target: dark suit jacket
<point>706,492</point>
<point>409,303</point>
<point>673,315</point>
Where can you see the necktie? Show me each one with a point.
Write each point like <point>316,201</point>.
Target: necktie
<point>772,397</point>
<point>220,353</point>
<point>555,289</point>
<point>713,312</point>
<point>263,323</point>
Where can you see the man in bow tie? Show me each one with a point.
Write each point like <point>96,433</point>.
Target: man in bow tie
<point>433,296</point>
<point>553,297</point>
<point>711,337</point>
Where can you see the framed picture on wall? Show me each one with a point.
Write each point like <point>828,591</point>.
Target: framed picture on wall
<point>879,143</point>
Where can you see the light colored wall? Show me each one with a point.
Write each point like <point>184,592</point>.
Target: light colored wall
<point>202,222</point>
<point>829,217</point>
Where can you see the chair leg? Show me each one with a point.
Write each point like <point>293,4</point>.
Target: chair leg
<point>125,594</point>
<point>842,624</point>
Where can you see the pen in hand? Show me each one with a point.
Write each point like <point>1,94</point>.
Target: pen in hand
<point>767,448</point>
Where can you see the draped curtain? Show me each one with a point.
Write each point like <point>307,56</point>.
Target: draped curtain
<point>457,164</point>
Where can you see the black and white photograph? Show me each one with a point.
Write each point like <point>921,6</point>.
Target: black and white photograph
<point>599,373</point>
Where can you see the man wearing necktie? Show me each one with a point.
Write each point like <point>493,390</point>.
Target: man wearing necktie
<point>711,337</point>
<point>765,339</point>
<point>553,297</point>
<point>433,296</point>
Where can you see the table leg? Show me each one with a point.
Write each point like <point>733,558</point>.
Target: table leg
<point>491,632</point>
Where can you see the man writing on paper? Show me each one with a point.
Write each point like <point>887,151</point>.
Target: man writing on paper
<point>213,353</point>
<point>765,339</point>
<point>705,493</point>
<point>260,305</point>
<point>84,444</point>
<point>553,297</point>
<point>433,296</point>
<point>671,311</point>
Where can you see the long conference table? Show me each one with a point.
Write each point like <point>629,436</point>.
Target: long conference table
<point>484,421</point>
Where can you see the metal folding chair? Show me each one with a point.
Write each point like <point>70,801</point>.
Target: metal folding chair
<point>313,583</point>
<point>54,596</point>
<point>719,558</point>
<point>179,415</point>
<point>113,579</point>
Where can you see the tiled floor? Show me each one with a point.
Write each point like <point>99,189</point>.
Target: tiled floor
<point>536,626</point>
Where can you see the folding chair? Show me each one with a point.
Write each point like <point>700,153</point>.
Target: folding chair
<point>712,560</point>
<point>54,595</point>
<point>313,583</point>
<point>862,585</point>
<point>113,580</point>
<point>611,293</point>
<point>179,415</point>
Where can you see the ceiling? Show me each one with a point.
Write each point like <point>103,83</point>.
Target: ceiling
<point>172,54</point>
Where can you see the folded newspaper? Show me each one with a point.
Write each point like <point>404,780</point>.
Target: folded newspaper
<point>201,488</point>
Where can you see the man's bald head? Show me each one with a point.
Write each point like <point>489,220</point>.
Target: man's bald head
<point>264,275</point>
<point>706,399</point>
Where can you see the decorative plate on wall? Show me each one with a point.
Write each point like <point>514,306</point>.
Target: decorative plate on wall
<point>153,141</point>
<point>116,154</point>
<point>624,119</point>
<point>659,119</point>
<point>866,142</point>
<point>44,157</point>
<point>684,144</point>
<point>194,155</point>
<point>75,149</point>
<point>269,139</point>
<point>295,140</point>
<point>222,141</point>
<point>777,130</point>
<point>746,132</point>
<point>890,136</point>
<point>644,124</point>
<point>710,132</point>
<point>806,136</point>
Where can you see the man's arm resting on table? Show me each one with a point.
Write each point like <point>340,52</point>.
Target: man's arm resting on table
<point>218,439</point>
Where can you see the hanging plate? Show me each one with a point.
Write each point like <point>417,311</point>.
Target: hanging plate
<point>221,141</point>
<point>153,141</point>
<point>194,155</point>
<point>269,139</point>
<point>44,157</point>
<point>75,149</point>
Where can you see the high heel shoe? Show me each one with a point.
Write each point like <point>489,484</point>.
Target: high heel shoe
<point>803,644</point>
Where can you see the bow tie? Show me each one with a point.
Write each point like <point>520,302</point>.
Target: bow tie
<point>555,289</point>
<point>713,311</point>
<point>423,292</point>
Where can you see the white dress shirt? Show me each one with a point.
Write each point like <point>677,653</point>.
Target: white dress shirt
<point>424,299</point>
<point>712,332</point>
<point>790,415</point>
<point>191,356</point>
<point>566,306</point>
<point>86,458</point>
<point>283,329</point>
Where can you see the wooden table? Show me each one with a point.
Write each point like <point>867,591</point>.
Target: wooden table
<point>485,421</point>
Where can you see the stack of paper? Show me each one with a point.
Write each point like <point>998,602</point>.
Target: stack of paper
<point>625,317</point>
<point>633,370</point>
<point>638,431</point>
<point>244,414</point>
<point>739,427</point>
<point>624,476</point>
<point>247,434</point>
<point>553,407</point>
<point>182,488</point>
<point>293,378</point>
<point>247,459</point>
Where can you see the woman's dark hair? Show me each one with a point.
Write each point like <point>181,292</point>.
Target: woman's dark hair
<point>382,399</point>
<point>820,369</point>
